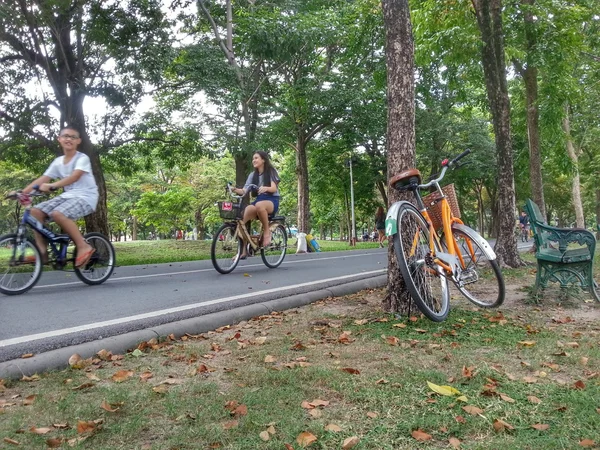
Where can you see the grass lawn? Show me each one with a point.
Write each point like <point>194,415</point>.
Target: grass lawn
<point>165,251</point>
<point>339,371</point>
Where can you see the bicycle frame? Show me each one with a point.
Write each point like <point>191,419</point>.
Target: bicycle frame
<point>452,262</point>
<point>59,252</point>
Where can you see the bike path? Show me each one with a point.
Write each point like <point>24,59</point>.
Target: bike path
<point>142,301</point>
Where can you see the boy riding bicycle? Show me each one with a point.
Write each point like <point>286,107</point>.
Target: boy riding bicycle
<point>73,172</point>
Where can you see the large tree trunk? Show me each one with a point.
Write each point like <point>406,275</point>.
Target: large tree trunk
<point>576,186</point>
<point>399,49</point>
<point>489,20</point>
<point>302,174</point>
<point>529,74</point>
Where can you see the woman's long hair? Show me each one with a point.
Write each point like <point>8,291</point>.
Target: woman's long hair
<point>268,170</point>
<point>379,214</point>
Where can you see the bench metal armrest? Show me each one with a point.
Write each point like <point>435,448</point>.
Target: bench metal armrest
<point>565,236</point>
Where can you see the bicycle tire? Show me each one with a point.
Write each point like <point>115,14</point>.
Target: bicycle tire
<point>225,253</point>
<point>478,268</point>
<point>18,279</point>
<point>274,254</point>
<point>428,289</point>
<point>102,262</point>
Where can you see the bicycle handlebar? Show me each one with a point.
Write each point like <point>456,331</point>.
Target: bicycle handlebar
<point>446,164</point>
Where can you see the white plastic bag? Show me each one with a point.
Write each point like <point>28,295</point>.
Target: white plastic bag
<point>301,243</point>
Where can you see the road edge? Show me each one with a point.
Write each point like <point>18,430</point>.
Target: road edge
<point>58,359</point>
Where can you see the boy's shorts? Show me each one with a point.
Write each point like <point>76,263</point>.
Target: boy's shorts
<point>73,208</point>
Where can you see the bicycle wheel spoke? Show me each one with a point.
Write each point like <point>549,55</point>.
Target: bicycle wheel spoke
<point>480,281</point>
<point>274,253</point>
<point>20,266</point>
<point>423,279</point>
<point>226,249</point>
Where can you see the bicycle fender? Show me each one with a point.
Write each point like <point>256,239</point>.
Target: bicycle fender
<point>475,236</point>
<point>391,219</point>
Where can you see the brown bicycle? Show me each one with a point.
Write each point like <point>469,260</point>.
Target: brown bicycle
<point>229,241</point>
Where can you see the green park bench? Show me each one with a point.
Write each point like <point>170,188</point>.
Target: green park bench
<point>564,255</point>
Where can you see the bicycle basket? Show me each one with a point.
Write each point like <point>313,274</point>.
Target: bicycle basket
<point>434,207</point>
<point>231,210</point>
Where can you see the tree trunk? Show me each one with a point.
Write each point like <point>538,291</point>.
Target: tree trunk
<point>134,229</point>
<point>489,20</point>
<point>399,49</point>
<point>529,75</point>
<point>576,187</point>
<point>302,175</point>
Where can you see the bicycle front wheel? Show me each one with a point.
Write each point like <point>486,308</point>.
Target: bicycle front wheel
<point>424,279</point>
<point>20,265</point>
<point>226,249</point>
<point>102,262</point>
<point>274,253</point>
<point>481,280</point>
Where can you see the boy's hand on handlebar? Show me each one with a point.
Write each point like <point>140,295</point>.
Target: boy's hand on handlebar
<point>46,187</point>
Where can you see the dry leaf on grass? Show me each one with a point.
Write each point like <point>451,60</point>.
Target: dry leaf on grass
<point>420,435</point>
<point>305,439</point>
<point>540,426</point>
<point>41,430</point>
<point>443,390</point>
<point>270,359</point>
<point>333,428</point>
<point>29,400</point>
<point>533,399</point>
<point>264,435</point>
<point>350,370</point>
<point>454,442</point>
<point>350,442</point>
<point>11,441</point>
<point>506,398</point>
<point>230,424</point>
<point>501,425</point>
<point>587,443</point>
<point>579,385</point>
<point>473,410</point>
<point>54,442</point>
<point>122,375</point>
<point>526,343</point>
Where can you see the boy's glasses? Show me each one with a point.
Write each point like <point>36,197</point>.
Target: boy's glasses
<point>68,136</point>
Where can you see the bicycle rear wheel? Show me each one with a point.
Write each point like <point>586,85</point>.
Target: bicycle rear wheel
<point>16,274</point>
<point>226,249</point>
<point>481,280</point>
<point>424,279</point>
<point>274,253</point>
<point>102,262</point>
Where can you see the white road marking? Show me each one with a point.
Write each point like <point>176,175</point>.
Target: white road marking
<point>91,326</point>
<point>185,272</point>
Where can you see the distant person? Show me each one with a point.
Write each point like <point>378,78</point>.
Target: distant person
<point>73,172</point>
<point>380,225</point>
<point>524,224</point>
<point>267,195</point>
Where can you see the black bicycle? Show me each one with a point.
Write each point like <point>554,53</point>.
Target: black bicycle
<point>21,263</point>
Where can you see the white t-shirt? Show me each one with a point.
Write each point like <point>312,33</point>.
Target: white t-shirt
<point>85,188</point>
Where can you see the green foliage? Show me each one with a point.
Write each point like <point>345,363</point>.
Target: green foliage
<point>167,211</point>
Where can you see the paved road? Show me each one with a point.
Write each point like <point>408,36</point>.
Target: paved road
<point>62,311</point>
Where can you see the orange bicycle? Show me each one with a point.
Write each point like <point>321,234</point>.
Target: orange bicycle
<point>433,246</point>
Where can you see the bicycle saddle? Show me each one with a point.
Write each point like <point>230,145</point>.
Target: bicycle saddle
<point>405,179</point>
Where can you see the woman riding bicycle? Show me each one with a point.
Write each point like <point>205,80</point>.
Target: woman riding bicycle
<point>267,195</point>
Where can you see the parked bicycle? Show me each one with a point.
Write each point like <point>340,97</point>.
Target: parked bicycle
<point>233,235</point>
<point>21,263</point>
<point>433,246</point>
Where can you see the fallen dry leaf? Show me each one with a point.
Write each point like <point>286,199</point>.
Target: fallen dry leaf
<point>74,359</point>
<point>372,415</point>
<point>11,441</point>
<point>501,425</point>
<point>29,400</point>
<point>230,424</point>
<point>350,442</point>
<point>587,443</point>
<point>540,426</point>
<point>41,430</point>
<point>420,435</point>
<point>315,413</point>
<point>305,439</point>
<point>54,442</point>
<point>473,410</point>
<point>264,435</point>
<point>333,428</point>
<point>506,398</point>
<point>392,340</point>
<point>108,407</point>
<point>270,359</point>
<point>527,343</point>
<point>533,399</point>
<point>87,426</point>
<point>27,355</point>
<point>443,390</point>
<point>579,385</point>
<point>122,375</point>
<point>454,442</point>
<point>351,370</point>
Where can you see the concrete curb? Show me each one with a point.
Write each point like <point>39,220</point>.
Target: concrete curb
<point>58,359</point>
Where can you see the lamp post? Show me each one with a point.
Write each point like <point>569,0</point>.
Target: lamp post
<point>353,236</point>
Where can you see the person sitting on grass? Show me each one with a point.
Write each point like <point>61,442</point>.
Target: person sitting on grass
<point>267,196</point>
<point>73,172</point>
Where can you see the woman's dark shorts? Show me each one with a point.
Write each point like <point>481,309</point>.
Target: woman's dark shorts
<point>272,198</point>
